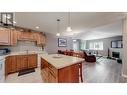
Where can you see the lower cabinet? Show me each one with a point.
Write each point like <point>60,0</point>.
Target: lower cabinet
<point>20,62</point>
<point>32,61</point>
<point>10,65</point>
<point>50,74</point>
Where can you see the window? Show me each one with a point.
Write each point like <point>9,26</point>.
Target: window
<point>96,45</point>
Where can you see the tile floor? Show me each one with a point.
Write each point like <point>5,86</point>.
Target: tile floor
<point>34,77</point>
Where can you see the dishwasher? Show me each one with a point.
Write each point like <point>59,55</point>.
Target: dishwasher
<point>2,70</point>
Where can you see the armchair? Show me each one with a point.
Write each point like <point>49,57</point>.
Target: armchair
<point>89,57</point>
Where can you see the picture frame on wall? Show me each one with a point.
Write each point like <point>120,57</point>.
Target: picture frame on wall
<point>62,42</point>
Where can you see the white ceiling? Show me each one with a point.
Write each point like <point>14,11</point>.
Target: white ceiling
<point>82,23</point>
<point>108,30</point>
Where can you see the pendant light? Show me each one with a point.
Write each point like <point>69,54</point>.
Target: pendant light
<point>58,29</point>
<point>7,20</point>
<point>69,27</point>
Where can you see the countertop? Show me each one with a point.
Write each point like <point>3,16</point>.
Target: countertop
<point>62,60</point>
<point>22,53</point>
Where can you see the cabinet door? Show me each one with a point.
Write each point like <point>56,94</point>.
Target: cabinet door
<point>7,66</point>
<point>19,62</point>
<point>13,37</point>
<point>38,39</point>
<point>5,36</point>
<point>22,62</point>
<point>43,39</point>
<point>44,70</point>
<point>25,35</point>
<point>11,64</point>
<point>32,61</point>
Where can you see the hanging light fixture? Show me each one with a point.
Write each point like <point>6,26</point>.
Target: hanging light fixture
<point>7,20</point>
<point>69,27</point>
<point>58,29</point>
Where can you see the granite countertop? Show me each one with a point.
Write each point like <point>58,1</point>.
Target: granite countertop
<point>60,61</point>
<point>21,53</point>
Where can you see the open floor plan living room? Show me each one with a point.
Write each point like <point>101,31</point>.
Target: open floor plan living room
<point>63,47</point>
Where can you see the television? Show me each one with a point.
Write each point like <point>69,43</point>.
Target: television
<point>117,44</point>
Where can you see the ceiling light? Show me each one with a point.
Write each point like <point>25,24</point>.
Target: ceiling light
<point>69,27</point>
<point>74,40</point>
<point>6,20</point>
<point>37,27</point>
<point>14,22</point>
<point>57,34</point>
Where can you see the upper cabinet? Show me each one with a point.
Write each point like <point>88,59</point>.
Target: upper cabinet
<point>25,35</point>
<point>40,39</point>
<point>14,36</point>
<point>10,36</point>
<point>5,35</point>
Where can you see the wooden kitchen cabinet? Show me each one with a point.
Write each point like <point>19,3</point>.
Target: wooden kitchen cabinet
<point>8,36</point>
<point>32,61</point>
<point>24,62</point>
<point>44,70</point>
<point>17,63</point>
<point>68,74</point>
<point>10,65</point>
<point>5,35</point>
<point>14,36</point>
<point>25,35</point>
<point>11,36</point>
<point>40,39</point>
<point>48,72</point>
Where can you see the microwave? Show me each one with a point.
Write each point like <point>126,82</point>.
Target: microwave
<point>4,51</point>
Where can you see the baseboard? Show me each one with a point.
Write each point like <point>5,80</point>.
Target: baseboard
<point>123,75</point>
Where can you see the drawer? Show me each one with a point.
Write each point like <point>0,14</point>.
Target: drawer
<point>52,69</point>
<point>44,75</point>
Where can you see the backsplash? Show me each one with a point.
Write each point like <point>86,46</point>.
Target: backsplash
<point>23,45</point>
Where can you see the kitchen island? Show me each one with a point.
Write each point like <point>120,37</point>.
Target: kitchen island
<point>56,68</point>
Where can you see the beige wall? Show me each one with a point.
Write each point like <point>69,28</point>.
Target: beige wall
<point>124,66</point>
<point>52,43</point>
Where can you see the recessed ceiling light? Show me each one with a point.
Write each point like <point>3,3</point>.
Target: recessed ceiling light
<point>14,22</point>
<point>74,40</point>
<point>57,34</point>
<point>37,27</point>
